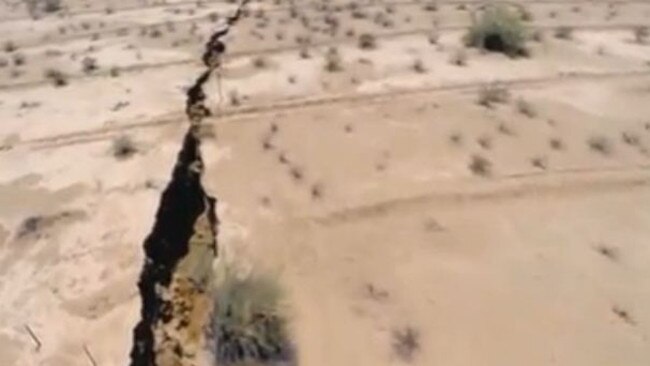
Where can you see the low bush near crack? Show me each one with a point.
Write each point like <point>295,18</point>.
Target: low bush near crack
<point>123,147</point>
<point>498,30</point>
<point>249,325</point>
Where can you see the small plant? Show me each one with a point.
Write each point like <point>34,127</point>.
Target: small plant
<point>630,138</point>
<point>641,34</point>
<point>418,66</point>
<point>539,162</point>
<point>51,6</point>
<point>493,93</point>
<point>19,59</point>
<point>456,138</point>
<point>234,98</point>
<point>600,144</point>
<point>367,41</point>
<point>114,71</point>
<point>304,52</point>
<point>556,144</point>
<point>406,342</point>
<point>431,6</point>
<point>459,57</point>
<point>123,147</point>
<point>333,62</point>
<point>484,142</point>
<point>537,36</point>
<point>480,166</point>
<point>433,37</point>
<point>564,32</point>
<point>524,107</point>
<point>526,15</point>
<point>260,62</point>
<point>57,77</point>
<point>249,325</point>
<point>89,65</point>
<point>498,30</point>
<point>9,46</point>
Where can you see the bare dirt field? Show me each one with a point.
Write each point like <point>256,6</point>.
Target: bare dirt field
<point>359,154</point>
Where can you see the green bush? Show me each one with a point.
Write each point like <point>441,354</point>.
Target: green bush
<point>498,30</point>
<point>248,322</point>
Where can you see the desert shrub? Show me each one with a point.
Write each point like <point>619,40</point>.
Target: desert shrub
<point>9,46</point>
<point>484,142</point>
<point>123,147</point>
<point>3,63</point>
<point>526,15</point>
<point>406,342</point>
<point>539,162</point>
<point>459,57</point>
<point>57,77</point>
<point>480,166</point>
<point>89,65</point>
<point>537,36</point>
<point>600,144</point>
<point>433,37</point>
<point>114,71</point>
<point>333,62</point>
<point>260,62</point>
<point>304,52</point>
<point>367,41</point>
<point>418,66</point>
<point>524,107</point>
<point>51,6</point>
<point>430,6</point>
<point>498,30</point>
<point>630,138</point>
<point>492,93</point>
<point>641,34</point>
<point>556,144</point>
<point>249,325</point>
<point>234,98</point>
<point>564,32</point>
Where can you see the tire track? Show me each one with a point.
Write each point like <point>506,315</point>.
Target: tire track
<point>549,184</point>
<point>279,49</point>
<point>103,133</point>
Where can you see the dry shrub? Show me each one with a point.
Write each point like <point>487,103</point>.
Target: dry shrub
<point>249,324</point>
<point>498,30</point>
<point>406,342</point>
<point>333,62</point>
<point>57,77</point>
<point>459,57</point>
<point>123,147</point>
<point>89,65</point>
<point>480,166</point>
<point>367,41</point>
<point>260,62</point>
<point>493,93</point>
<point>641,34</point>
<point>564,32</point>
<point>418,66</point>
<point>600,144</point>
<point>526,108</point>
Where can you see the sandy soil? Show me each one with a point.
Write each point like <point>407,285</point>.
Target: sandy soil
<point>358,189</point>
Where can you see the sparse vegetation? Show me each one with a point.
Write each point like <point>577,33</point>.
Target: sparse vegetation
<point>539,162</point>
<point>249,324</point>
<point>9,46</point>
<point>89,65</point>
<point>433,37</point>
<point>333,62</point>
<point>260,62</point>
<point>367,41</point>
<point>418,66</point>
<point>406,342</point>
<point>641,34</point>
<point>480,166</point>
<point>556,144</point>
<point>493,93</point>
<point>114,71</point>
<point>630,138</point>
<point>526,108</point>
<point>459,57</point>
<point>19,59</point>
<point>234,98</point>
<point>564,32</point>
<point>498,30</point>
<point>57,77</point>
<point>123,147</point>
<point>600,144</point>
<point>484,142</point>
